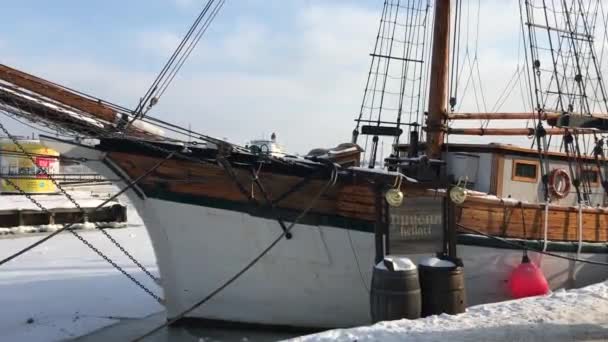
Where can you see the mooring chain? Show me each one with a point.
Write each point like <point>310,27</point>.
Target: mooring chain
<point>68,227</point>
<point>77,205</point>
<point>111,262</point>
<point>83,212</point>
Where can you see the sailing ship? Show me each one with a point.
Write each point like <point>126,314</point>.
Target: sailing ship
<point>210,206</point>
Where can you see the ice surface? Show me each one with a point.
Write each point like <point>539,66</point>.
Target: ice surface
<point>62,289</point>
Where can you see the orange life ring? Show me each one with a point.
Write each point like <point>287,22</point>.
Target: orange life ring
<point>559,183</point>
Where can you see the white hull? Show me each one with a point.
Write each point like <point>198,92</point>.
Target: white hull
<point>312,280</point>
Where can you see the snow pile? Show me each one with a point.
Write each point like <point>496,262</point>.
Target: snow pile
<point>49,228</point>
<point>436,262</point>
<point>86,199</point>
<point>399,263</point>
<point>580,314</point>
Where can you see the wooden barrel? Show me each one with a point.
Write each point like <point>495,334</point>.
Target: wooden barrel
<point>395,292</point>
<point>442,289</point>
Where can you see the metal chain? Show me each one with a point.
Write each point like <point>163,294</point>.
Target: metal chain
<point>71,199</point>
<point>69,228</point>
<point>111,262</point>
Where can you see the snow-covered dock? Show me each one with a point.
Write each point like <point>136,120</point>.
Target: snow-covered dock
<point>574,315</point>
<point>19,214</point>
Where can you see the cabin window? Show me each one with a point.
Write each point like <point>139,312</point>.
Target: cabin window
<point>525,171</point>
<point>590,175</point>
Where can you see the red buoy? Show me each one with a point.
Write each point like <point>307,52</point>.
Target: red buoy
<point>527,280</point>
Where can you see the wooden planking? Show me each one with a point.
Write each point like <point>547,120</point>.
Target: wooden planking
<point>562,225</point>
<point>55,92</point>
<point>356,201</point>
<point>212,181</point>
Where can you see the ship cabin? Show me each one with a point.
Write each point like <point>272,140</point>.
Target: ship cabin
<point>509,171</point>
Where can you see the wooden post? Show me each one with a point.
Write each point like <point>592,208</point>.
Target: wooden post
<point>451,225</point>
<point>438,89</point>
<point>379,229</point>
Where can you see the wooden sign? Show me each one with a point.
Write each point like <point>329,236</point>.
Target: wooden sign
<point>416,226</point>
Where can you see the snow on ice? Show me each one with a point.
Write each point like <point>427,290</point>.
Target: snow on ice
<point>62,289</point>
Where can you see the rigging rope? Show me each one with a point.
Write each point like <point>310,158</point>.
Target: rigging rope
<point>44,173</point>
<point>520,246</point>
<point>396,77</point>
<point>178,58</point>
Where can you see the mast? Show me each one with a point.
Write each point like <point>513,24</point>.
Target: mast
<point>438,91</point>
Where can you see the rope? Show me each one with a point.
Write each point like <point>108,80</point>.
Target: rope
<point>513,244</point>
<point>358,264</point>
<point>580,230</point>
<point>545,227</point>
<point>177,59</point>
<point>331,182</point>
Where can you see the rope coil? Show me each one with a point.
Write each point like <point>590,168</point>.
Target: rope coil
<point>459,193</point>
<point>394,196</point>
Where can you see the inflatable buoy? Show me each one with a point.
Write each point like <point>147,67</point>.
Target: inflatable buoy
<point>559,183</point>
<point>527,280</point>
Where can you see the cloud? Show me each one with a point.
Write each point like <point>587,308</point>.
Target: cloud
<point>184,3</point>
<point>161,43</point>
<point>302,77</point>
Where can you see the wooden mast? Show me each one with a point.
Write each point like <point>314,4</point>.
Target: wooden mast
<point>502,116</point>
<point>438,91</point>
<point>519,131</point>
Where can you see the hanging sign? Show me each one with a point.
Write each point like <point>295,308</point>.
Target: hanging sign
<point>416,227</point>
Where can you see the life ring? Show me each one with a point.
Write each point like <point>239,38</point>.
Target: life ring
<point>559,183</point>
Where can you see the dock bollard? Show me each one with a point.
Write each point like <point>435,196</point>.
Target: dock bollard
<point>442,286</point>
<point>395,292</point>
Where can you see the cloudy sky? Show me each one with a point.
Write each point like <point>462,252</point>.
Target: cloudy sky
<point>295,67</point>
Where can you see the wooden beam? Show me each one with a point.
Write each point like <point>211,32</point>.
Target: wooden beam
<point>56,92</point>
<point>515,131</point>
<point>438,89</point>
<point>501,116</point>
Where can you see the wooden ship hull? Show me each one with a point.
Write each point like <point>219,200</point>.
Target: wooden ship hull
<point>203,230</point>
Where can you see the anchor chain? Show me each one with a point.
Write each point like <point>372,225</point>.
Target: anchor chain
<point>83,212</point>
<point>69,228</point>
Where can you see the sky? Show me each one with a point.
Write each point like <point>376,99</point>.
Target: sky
<point>294,67</point>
